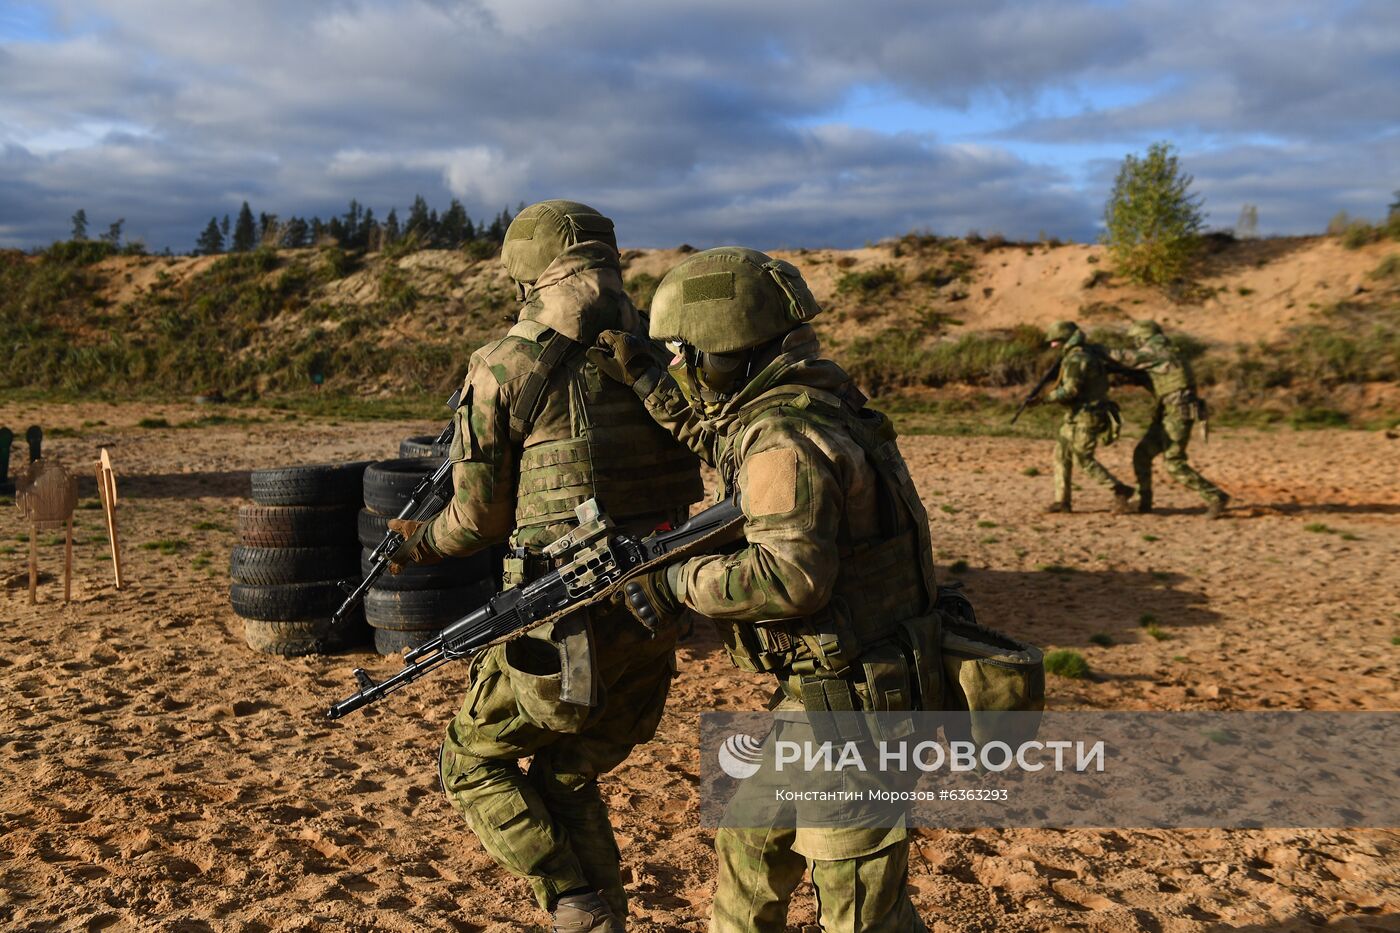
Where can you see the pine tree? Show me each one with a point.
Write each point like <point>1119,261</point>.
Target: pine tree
<point>211,241</point>
<point>1152,218</point>
<point>80,225</point>
<point>245,235</point>
<point>351,237</point>
<point>224,228</point>
<point>114,232</point>
<point>391,227</point>
<point>295,233</point>
<point>367,236</point>
<point>418,224</point>
<point>454,224</point>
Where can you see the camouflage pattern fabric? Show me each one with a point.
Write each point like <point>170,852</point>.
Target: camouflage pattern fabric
<point>1091,419</point>
<point>548,823</point>
<point>812,499</point>
<point>1173,415</point>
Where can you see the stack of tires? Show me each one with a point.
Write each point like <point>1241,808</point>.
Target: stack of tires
<point>421,445</point>
<point>408,609</point>
<point>296,543</point>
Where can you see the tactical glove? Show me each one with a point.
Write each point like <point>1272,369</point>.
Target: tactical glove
<point>652,599</point>
<point>626,358</point>
<point>415,548</point>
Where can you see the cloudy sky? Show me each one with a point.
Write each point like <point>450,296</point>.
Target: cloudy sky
<point>784,123</point>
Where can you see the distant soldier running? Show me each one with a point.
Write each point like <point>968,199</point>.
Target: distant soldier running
<point>1177,408</point>
<point>1091,417</point>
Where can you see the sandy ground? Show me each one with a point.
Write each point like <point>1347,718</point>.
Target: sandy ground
<point>156,774</point>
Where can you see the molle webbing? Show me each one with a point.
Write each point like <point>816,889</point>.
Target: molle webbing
<point>526,406</point>
<point>630,480</point>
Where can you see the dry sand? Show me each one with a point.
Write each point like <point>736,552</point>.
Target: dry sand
<point>159,775</point>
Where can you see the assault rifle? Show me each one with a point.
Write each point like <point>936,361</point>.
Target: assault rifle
<point>1045,380</point>
<point>599,561</point>
<point>426,500</point>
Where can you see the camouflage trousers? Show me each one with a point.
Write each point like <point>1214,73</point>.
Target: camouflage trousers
<point>549,824</point>
<point>1168,436</point>
<point>860,872</point>
<point>1080,435</point>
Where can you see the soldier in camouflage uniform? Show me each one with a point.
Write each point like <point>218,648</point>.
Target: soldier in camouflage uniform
<point>540,431</point>
<point>834,587</point>
<point>1176,409</point>
<point>1091,417</point>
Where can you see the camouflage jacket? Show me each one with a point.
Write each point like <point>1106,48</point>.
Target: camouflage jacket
<point>527,477</point>
<point>1083,377</point>
<point>1165,366</point>
<point>808,490</point>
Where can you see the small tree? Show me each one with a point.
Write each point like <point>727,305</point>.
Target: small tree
<point>1247,227</point>
<point>80,225</point>
<point>1152,219</point>
<point>245,234</point>
<point>211,241</point>
<point>114,232</point>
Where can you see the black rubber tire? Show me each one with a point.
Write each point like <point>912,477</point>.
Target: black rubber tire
<point>313,484</point>
<point>370,527</point>
<point>264,566</point>
<point>447,574</point>
<point>286,602</point>
<point>423,610</point>
<point>388,641</point>
<point>295,525</point>
<point>304,636</point>
<point>389,483</point>
<point>422,445</point>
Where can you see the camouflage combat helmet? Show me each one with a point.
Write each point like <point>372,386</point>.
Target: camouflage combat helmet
<point>1061,330</point>
<point>729,299</point>
<point>542,231</point>
<point>1144,330</point>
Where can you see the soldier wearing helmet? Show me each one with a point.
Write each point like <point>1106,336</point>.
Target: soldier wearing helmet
<point>1091,417</point>
<point>831,510</point>
<point>538,433</point>
<point>1176,409</point>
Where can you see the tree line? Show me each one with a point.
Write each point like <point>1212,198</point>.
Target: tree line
<point>357,228</point>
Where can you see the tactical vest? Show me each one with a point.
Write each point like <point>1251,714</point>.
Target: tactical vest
<point>615,451</point>
<point>882,582</point>
<point>1094,386</point>
<point>1169,373</point>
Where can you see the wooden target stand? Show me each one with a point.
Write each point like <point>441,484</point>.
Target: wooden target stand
<point>47,494</point>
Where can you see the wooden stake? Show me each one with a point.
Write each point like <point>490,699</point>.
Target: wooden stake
<point>68,566</point>
<point>107,491</point>
<point>33,564</point>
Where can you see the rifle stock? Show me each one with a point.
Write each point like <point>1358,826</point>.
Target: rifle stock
<point>1045,380</point>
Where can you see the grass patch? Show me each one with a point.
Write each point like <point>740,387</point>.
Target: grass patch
<point>872,283</point>
<point>949,509</point>
<point>1054,568</point>
<point>153,423</point>
<point>165,545</point>
<point>1319,528</point>
<point>897,357</point>
<point>641,288</point>
<point>1147,619</point>
<point>984,523</point>
<point>1031,471</point>
<point>209,526</point>
<point>199,563</point>
<point>1150,538</point>
<point>1156,632</point>
<point>991,539</point>
<point>1102,640</point>
<point>1066,663</point>
<point>958,566</point>
<point>1395,639</point>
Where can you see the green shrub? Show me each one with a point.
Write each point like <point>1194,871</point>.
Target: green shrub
<point>1102,640</point>
<point>1359,234</point>
<point>1065,663</point>
<point>641,288</point>
<point>1152,220</point>
<point>882,280</point>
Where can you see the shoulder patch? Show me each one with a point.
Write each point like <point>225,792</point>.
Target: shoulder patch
<point>771,482</point>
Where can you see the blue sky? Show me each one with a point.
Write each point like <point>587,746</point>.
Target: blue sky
<point>790,123</point>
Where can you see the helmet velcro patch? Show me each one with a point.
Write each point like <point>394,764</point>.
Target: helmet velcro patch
<point>717,286</point>
<point>522,229</point>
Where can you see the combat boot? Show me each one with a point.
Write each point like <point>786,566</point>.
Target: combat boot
<point>1122,499</point>
<point>1058,507</point>
<point>585,913</point>
<point>1144,505</point>
<point>1216,508</point>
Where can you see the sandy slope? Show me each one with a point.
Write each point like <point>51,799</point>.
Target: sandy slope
<point>158,775</point>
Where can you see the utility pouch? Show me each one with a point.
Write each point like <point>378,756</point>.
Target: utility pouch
<point>996,680</point>
<point>831,704</point>
<point>578,666</point>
